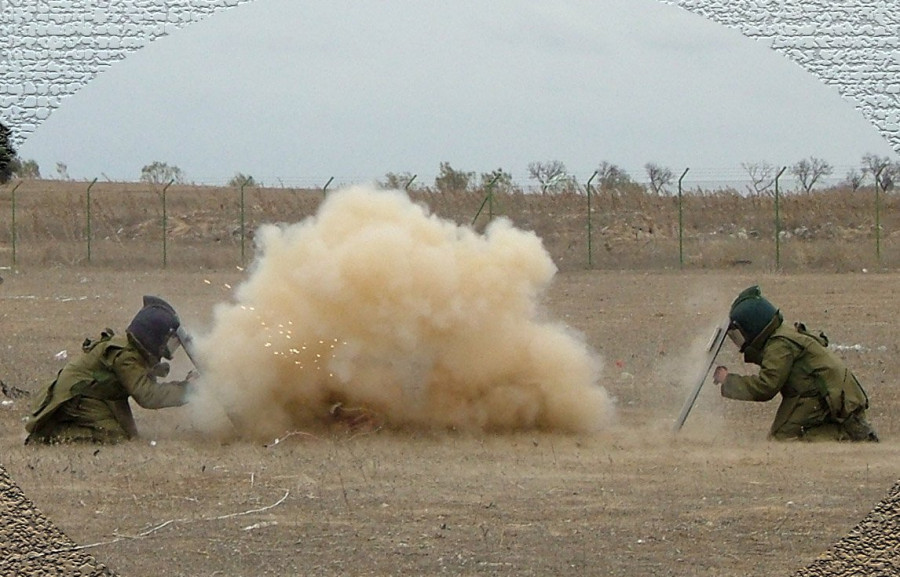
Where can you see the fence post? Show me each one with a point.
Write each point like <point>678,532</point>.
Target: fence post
<point>778,222</point>
<point>18,184</point>
<point>243,225</point>
<point>681,220</point>
<point>878,215</point>
<point>587,188</point>
<point>89,234</point>
<point>410,182</point>
<point>325,188</point>
<point>489,200</point>
<point>165,225</point>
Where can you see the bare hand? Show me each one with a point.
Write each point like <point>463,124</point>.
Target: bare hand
<point>720,374</point>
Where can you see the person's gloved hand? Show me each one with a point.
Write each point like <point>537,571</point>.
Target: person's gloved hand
<point>720,374</point>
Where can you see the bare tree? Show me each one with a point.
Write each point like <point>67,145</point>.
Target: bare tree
<point>762,177</point>
<point>890,175</point>
<point>552,175</point>
<point>872,164</point>
<point>29,169</point>
<point>809,171</point>
<point>161,173</point>
<point>612,177</point>
<point>396,180</point>
<point>241,180</point>
<point>889,171</point>
<point>62,171</point>
<point>660,177</point>
<point>450,180</point>
<point>853,179</point>
<point>502,180</point>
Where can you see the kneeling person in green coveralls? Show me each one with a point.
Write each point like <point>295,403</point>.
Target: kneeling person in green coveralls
<point>821,399</point>
<point>88,401</point>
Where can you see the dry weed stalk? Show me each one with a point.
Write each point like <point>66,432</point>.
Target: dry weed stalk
<point>278,440</point>
<point>155,528</point>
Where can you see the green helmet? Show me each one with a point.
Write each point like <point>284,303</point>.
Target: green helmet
<point>751,314</point>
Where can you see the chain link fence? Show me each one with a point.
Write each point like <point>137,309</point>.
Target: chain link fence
<point>138,225</point>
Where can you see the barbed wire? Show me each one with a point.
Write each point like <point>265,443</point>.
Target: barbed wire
<point>705,177</point>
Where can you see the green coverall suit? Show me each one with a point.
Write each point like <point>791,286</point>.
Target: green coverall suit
<point>821,399</point>
<point>88,401</point>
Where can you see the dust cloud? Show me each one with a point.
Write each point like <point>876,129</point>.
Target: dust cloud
<point>709,305</point>
<point>375,303</point>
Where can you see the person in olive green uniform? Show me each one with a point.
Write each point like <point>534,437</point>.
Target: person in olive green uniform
<point>88,401</point>
<point>821,399</point>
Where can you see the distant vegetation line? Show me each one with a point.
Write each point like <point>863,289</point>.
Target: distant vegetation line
<point>550,176</point>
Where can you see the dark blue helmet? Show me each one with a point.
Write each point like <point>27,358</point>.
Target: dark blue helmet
<point>154,328</point>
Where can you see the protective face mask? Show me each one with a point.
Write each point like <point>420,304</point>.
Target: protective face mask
<point>736,337</point>
<point>172,345</point>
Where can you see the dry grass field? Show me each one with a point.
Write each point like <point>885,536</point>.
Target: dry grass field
<point>634,499</point>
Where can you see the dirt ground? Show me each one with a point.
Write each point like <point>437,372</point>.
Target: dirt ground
<point>717,499</point>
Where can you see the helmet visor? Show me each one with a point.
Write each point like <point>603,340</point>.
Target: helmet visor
<point>736,336</point>
<point>172,344</point>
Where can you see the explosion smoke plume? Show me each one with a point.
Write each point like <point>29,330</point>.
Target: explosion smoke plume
<point>376,303</point>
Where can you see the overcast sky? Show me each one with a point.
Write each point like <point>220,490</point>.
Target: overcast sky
<point>295,92</point>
